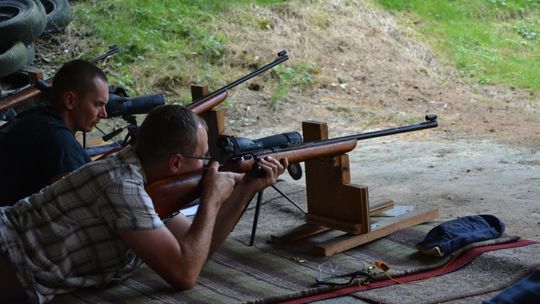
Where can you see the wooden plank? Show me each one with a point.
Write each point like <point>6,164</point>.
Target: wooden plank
<point>360,195</point>
<point>314,130</point>
<point>198,91</point>
<point>215,119</point>
<point>328,196</point>
<point>380,229</point>
<point>354,227</point>
<point>331,199</point>
<point>298,233</point>
<point>380,206</point>
<point>311,228</point>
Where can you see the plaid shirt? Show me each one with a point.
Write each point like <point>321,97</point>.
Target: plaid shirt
<point>65,237</point>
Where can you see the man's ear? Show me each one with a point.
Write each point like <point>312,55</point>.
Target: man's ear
<point>175,163</point>
<point>70,100</point>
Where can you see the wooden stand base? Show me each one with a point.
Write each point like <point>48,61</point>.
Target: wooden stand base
<point>326,241</point>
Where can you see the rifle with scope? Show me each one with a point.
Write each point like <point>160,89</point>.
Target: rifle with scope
<point>239,155</point>
<point>120,106</point>
<point>139,105</point>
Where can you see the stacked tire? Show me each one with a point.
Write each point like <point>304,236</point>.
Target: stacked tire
<point>21,23</point>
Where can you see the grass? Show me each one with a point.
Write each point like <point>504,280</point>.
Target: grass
<point>167,45</point>
<point>293,77</point>
<point>494,41</point>
<point>179,38</point>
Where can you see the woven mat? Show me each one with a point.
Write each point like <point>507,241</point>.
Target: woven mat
<point>266,273</point>
<point>481,279</point>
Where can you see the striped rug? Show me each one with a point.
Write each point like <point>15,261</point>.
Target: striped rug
<point>267,273</point>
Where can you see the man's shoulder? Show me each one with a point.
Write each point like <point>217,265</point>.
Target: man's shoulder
<point>122,166</point>
<point>34,129</point>
<point>44,122</point>
<point>36,121</point>
<point>41,116</point>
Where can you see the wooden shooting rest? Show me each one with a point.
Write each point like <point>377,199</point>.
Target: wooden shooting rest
<point>339,215</point>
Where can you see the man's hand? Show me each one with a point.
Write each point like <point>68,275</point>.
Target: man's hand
<point>265,174</point>
<point>268,171</point>
<point>218,186</point>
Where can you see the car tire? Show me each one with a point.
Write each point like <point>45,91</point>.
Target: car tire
<point>20,20</point>
<point>30,53</point>
<point>59,14</point>
<point>14,58</point>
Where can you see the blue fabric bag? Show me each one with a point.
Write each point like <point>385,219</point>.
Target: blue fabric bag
<point>449,236</point>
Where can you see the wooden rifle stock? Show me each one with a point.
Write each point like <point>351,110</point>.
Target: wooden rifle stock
<point>32,92</point>
<point>173,193</point>
<point>206,104</point>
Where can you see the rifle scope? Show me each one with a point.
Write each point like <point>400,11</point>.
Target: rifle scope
<point>230,146</point>
<point>120,106</point>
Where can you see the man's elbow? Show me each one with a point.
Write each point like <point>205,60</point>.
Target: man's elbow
<point>184,282</point>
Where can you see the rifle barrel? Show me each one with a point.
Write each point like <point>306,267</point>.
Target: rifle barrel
<point>431,122</point>
<point>112,50</point>
<point>282,56</point>
<point>345,144</point>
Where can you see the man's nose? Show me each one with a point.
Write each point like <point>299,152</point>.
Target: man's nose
<point>103,112</point>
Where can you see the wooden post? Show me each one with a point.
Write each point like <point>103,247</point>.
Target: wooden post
<point>328,180</point>
<point>215,119</point>
<point>198,91</point>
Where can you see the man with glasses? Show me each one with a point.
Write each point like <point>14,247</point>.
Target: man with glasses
<point>97,225</point>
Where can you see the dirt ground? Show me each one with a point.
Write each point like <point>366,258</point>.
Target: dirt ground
<point>483,157</point>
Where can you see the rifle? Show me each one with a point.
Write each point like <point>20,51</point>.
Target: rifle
<point>33,91</point>
<point>206,103</point>
<point>172,193</point>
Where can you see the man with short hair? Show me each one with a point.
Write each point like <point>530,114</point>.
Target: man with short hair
<point>40,145</point>
<point>95,226</point>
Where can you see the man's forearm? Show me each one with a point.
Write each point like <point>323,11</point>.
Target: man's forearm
<point>228,215</point>
<point>195,244</point>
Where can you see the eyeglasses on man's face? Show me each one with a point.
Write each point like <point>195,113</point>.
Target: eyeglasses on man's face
<point>205,158</point>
